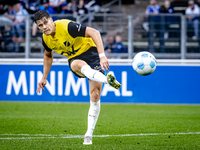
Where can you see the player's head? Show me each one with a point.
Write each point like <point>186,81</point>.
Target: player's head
<point>44,22</point>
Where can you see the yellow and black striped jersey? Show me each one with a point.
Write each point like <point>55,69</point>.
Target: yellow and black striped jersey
<point>69,39</point>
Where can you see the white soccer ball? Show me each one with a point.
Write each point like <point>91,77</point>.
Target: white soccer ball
<point>144,63</point>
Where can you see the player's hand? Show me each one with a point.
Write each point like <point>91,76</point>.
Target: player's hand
<point>104,63</point>
<point>41,85</point>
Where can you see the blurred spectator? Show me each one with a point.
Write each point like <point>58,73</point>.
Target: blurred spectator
<point>56,4</point>
<point>166,8</point>
<point>70,8</point>
<point>93,5</point>
<point>74,8</point>
<point>109,46</point>
<point>152,10</point>
<point>19,22</point>
<point>33,6</point>
<point>44,6</point>
<point>2,10</point>
<point>7,44</point>
<point>81,9</point>
<point>23,3</point>
<point>2,24</point>
<point>118,45</point>
<point>66,8</point>
<point>192,13</point>
<point>10,14</point>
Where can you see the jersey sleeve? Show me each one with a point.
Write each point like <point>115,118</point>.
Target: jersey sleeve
<point>45,46</point>
<point>76,30</point>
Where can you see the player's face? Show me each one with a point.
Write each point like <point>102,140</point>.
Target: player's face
<point>46,25</point>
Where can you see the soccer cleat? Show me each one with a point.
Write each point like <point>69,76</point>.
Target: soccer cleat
<point>112,81</point>
<point>87,140</point>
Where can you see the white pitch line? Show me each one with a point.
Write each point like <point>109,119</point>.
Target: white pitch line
<point>42,136</point>
<point>146,134</point>
<point>28,134</point>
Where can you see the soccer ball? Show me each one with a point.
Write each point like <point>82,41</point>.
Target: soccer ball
<point>144,63</point>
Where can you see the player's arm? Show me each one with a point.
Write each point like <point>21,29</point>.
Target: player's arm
<point>78,30</point>
<point>96,37</point>
<point>48,59</point>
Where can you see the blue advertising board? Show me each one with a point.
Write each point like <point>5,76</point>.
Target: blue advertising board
<point>168,84</point>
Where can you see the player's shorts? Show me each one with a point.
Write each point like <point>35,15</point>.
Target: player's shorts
<point>91,57</point>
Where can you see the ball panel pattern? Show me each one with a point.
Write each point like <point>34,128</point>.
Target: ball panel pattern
<point>140,66</point>
<point>144,55</point>
<point>152,64</point>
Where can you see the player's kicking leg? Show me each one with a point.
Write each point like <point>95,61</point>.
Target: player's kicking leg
<point>99,77</point>
<point>112,81</point>
<point>83,69</point>
<point>94,110</point>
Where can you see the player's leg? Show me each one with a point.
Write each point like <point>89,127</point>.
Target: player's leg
<point>81,68</point>
<point>94,110</point>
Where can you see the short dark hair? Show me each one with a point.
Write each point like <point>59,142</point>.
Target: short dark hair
<point>40,14</point>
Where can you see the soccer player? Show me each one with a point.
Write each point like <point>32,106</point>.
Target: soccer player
<point>84,48</point>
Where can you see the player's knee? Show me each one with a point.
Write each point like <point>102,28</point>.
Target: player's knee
<point>77,65</point>
<point>80,65</point>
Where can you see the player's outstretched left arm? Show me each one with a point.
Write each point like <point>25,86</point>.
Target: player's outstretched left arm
<point>48,59</point>
<point>96,37</point>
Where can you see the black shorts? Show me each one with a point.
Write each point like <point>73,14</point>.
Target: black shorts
<point>91,57</point>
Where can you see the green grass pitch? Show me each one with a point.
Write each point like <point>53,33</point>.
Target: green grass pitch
<point>31,125</point>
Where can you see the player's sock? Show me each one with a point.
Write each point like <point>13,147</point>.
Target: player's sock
<point>93,74</point>
<point>93,115</point>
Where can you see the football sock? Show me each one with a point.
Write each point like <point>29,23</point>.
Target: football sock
<point>93,74</point>
<point>93,115</point>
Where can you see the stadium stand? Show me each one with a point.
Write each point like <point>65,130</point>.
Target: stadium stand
<point>112,19</point>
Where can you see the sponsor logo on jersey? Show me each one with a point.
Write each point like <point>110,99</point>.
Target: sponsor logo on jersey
<point>72,52</point>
